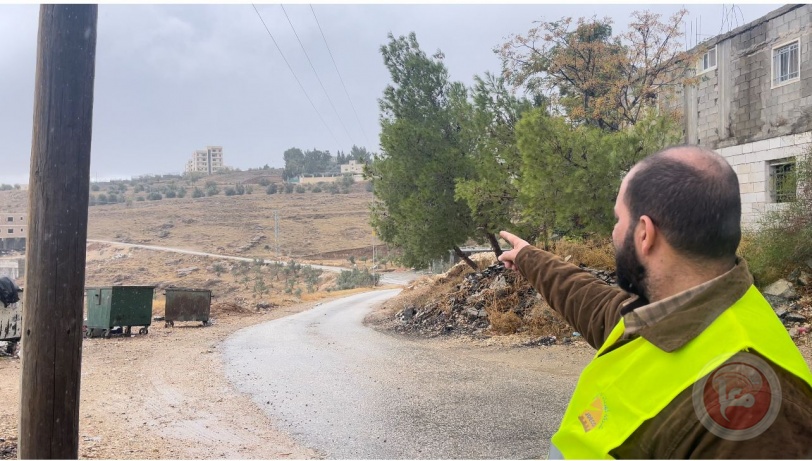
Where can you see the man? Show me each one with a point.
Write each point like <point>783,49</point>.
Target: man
<point>692,362</point>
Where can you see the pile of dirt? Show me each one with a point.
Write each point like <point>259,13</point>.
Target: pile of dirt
<point>498,301</point>
<point>494,301</point>
<point>230,308</point>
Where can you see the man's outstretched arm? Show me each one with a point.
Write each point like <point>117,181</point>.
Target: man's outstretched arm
<point>587,303</point>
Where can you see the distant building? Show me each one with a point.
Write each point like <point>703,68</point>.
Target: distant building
<point>13,231</point>
<point>208,160</point>
<point>753,104</point>
<point>355,169</point>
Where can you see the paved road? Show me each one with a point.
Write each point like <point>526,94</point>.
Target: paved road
<point>387,278</point>
<point>351,392</point>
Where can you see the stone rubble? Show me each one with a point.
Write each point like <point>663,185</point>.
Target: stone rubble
<point>479,298</point>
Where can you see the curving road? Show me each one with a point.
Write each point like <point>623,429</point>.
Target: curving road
<point>348,391</point>
<point>387,278</point>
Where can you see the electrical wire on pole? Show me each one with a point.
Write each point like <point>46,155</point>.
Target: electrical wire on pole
<point>329,99</point>
<point>357,119</point>
<point>294,76</point>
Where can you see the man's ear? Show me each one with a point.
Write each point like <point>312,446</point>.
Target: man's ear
<point>646,235</point>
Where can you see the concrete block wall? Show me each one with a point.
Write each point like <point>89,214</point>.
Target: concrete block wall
<point>736,103</point>
<point>751,163</point>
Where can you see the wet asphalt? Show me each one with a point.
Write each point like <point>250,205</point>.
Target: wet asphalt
<point>351,392</point>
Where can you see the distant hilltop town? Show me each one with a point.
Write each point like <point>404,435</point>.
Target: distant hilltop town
<point>208,160</point>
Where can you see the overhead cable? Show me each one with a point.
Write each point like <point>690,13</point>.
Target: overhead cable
<point>316,73</point>
<point>294,75</point>
<point>340,78</point>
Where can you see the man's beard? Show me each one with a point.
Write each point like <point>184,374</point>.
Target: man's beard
<point>631,275</point>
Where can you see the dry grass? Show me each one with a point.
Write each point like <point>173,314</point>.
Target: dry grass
<point>234,285</point>
<point>309,223</point>
<point>594,253</point>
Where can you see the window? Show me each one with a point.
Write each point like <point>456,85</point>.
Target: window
<point>783,185</point>
<point>786,63</point>
<point>11,219</point>
<point>708,61</point>
<point>11,231</point>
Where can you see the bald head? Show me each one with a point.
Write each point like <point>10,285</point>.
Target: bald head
<point>692,195</point>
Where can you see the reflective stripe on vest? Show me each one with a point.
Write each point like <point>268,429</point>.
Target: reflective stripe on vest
<point>623,388</point>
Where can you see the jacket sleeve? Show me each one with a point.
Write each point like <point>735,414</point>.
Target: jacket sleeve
<point>587,303</point>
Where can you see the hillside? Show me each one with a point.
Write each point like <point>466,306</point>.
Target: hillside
<point>318,226</point>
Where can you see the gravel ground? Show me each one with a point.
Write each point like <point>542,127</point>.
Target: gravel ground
<point>162,396</point>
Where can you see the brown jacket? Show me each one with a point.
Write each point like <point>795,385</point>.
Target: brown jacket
<point>593,308</point>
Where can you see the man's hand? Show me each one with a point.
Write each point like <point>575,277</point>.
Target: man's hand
<point>509,257</point>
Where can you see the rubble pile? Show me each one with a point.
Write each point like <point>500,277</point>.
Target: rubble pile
<point>791,299</point>
<point>499,301</point>
<point>493,301</point>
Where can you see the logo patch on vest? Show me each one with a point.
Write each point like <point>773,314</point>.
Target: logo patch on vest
<point>738,400</point>
<point>593,416</point>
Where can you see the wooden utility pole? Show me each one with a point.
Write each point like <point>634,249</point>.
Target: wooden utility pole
<point>57,232</point>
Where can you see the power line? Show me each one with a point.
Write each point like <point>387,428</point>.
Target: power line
<point>294,75</point>
<point>339,77</point>
<point>316,73</point>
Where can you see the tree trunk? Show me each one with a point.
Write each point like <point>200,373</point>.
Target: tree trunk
<point>57,232</point>
<point>497,250</point>
<point>465,258</point>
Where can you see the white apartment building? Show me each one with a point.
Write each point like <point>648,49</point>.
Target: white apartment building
<point>208,160</point>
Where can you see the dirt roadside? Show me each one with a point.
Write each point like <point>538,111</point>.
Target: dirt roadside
<point>163,396</point>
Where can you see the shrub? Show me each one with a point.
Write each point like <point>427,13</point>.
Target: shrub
<point>316,189</point>
<point>300,189</point>
<point>356,278</point>
<point>264,182</point>
<point>197,193</point>
<point>171,194</point>
<point>272,189</point>
<point>782,242</point>
<point>140,198</point>
<point>289,188</point>
<point>240,189</point>
<point>230,191</point>
<point>94,187</point>
<point>154,196</point>
<point>181,192</point>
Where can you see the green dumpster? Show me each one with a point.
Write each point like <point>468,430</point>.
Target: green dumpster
<point>187,305</point>
<point>118,306</point>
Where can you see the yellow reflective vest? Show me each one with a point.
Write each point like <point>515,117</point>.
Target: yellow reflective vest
<point>623,388</point>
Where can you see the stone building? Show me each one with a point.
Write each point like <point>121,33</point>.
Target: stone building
<point>753,104</point>
<point>13,231</point>
<point>208,160</point>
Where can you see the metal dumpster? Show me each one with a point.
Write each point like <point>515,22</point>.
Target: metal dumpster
<point>118,306</point>
<point>187,305</point>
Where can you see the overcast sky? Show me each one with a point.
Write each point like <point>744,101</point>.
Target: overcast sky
<point>174,78</point>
